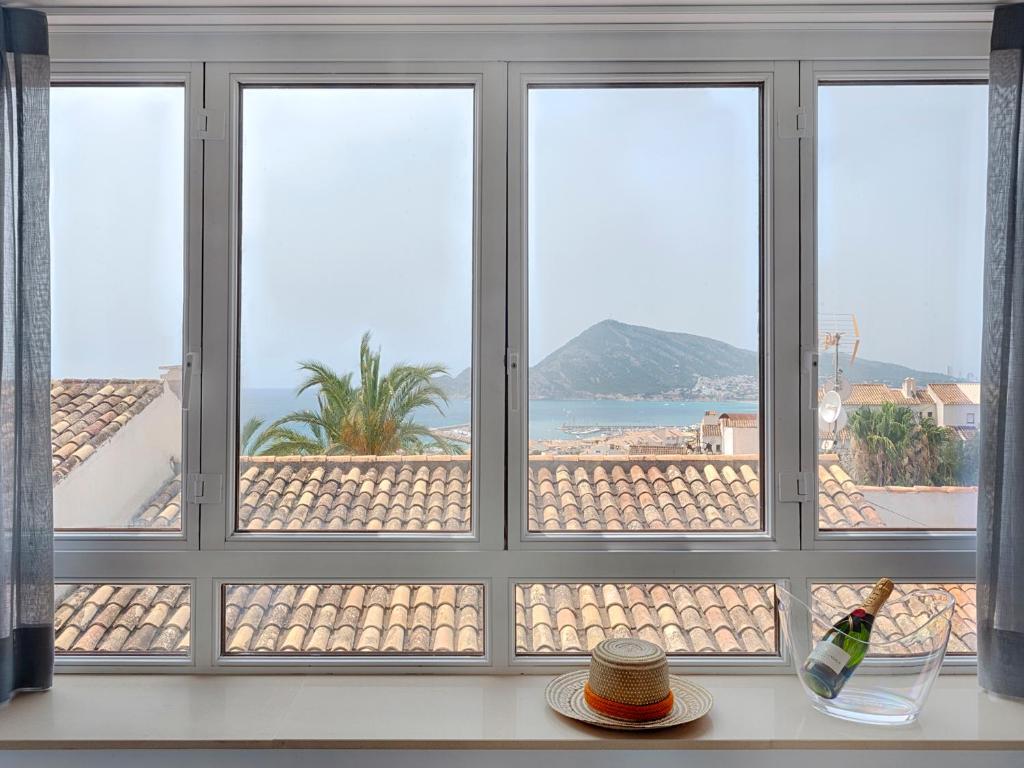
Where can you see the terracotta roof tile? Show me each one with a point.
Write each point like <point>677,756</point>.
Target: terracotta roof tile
<point>345,618</point>
<point>85,413</point>
<point>877,394</point>
<point>667,614</point>
<point>122,619</point>
<point>957,394</point>
<point>589,493</point>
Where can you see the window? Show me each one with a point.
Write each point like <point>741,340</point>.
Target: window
<point>644,308</point>
<point>432,364</point>
<point>117,223</point>
<point>347,619</point>
<point>356,310</point>
<point>894,349</point>
<point>684,618</point>
<point>902,613</point>
<point>134,620</point>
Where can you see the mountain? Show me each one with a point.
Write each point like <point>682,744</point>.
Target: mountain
<point>617,360</point>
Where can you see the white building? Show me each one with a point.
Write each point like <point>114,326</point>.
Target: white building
<point>116,444</point>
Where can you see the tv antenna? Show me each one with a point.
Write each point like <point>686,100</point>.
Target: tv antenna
<point>839,335</point>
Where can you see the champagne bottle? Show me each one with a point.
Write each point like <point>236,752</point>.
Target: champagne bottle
<point>842,649</point>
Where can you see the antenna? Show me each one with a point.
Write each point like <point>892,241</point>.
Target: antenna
<point>840,335</point>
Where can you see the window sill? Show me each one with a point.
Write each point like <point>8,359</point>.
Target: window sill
<point>459,712</point>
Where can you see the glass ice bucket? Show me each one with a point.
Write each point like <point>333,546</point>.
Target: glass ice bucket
<point>904,653</point>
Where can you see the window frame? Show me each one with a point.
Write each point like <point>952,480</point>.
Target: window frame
<point>813,75</point>
<point>793,556</point>
<point>190,78</point>
<point>776,82</point>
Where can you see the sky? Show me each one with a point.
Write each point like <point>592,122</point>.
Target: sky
<point>643,207</point>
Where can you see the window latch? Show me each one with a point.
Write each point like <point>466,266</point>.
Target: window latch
<point>794,125</point>
<point>208,124</point>
<point>794,486</point>
<point>205,489</point>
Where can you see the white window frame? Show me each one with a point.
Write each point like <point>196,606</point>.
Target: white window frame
<point>813,75</point>
<point>499,62</point>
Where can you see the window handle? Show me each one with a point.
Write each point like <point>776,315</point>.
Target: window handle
<point>811,374</point>
<point>512,369</point>
<point>190,369</point>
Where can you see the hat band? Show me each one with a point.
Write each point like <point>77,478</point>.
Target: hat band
<point>620,711</point>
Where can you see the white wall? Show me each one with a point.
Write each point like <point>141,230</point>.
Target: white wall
<point>124,472</point>
<point>938,508</point>
<point>740,440</point>
<point>956,415</point>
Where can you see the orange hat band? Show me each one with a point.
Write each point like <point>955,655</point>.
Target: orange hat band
<point>636,712</point>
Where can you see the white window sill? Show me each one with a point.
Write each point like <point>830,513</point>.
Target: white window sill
<point>461,712</point>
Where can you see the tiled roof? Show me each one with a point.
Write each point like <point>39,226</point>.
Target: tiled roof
<point>616,493</point>
<point>896,618</point>
<point>840,502</point>
<point>710,430</point>
<point>681,618</point>
<point>354,618</point>
<point>565,493</point>
<point>163,510</point>
<point>740,419</point>
<point>354,493</point>
<point>877,394</point>
<point>122,619</point>
<point>965,432</point>
<point>85,413</point>
<point>957,394</point>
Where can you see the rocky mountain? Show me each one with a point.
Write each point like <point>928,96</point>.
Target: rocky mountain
<point>617,360</point>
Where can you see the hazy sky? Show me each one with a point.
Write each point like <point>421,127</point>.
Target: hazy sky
<point>643,207</point>
<point>901,225</point>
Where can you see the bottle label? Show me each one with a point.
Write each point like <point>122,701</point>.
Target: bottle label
<point>831,655</point>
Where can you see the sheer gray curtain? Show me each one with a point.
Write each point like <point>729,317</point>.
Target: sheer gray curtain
<point>1001,491</point>
<point>26,499</point>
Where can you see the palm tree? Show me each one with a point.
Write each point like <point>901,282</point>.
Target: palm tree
<point>374,418</point>
<point>879,443</point>
<point>253,440</point>
<point>891,446</point>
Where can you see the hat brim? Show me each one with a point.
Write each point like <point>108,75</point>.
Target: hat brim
<point>564,694</point>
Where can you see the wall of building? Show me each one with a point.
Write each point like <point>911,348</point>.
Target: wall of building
<point>956,415</point>
<point>124,472</point>
<point>740,440</point>
<point>924,507</point>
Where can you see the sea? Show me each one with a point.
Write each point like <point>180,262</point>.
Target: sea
<point>547,417</point>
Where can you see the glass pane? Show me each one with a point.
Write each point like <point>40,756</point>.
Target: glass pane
<point>122,619</point>
<point>644,380</point>
<point>963,639</point>
<point>901,238</point>
<point>353,619</point>
<point>356,309</point>
<point>117,227</point>
<point>684,619</point>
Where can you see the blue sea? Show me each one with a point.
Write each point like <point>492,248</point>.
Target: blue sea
<point>547,417</point>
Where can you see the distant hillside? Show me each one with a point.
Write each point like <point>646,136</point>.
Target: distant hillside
<point>617,360</point>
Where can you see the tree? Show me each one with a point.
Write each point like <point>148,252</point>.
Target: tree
<point>892,446</point>
<point>375,418</point>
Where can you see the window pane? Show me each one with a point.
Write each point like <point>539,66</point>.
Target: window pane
<point>122,619</point>
<point>117,227</point>
<point>835,600</point>
<point>356,309</point>
<point>684,619</point>
<point>353,619</point>
<point>644,380</point>
<point>901,237</point>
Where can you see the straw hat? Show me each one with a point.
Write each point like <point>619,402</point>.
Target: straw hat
<point>627,687</point>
